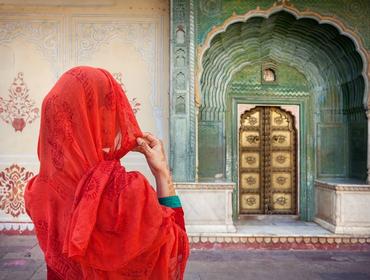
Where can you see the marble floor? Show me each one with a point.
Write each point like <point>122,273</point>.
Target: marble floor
<point>279,226</point>
<point>271,226</point>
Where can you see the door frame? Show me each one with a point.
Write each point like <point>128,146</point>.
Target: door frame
<point>306,147</point>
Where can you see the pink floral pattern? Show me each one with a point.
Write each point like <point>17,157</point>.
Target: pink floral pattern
<point>135,104</point>
<point>13,181</point>
<point>19,109</point>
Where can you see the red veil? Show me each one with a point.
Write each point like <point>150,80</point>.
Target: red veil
<point>93,219</point>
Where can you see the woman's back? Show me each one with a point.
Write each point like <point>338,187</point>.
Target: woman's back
<point>93,219</point>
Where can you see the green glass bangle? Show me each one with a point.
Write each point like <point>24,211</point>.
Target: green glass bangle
<point>170,201</point>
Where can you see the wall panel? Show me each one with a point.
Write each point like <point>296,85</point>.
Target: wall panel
<point>39,41</point>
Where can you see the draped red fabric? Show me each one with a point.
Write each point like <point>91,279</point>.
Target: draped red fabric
<point>94,219</point>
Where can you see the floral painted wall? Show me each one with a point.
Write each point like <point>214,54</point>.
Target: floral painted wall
<point>42,39</point>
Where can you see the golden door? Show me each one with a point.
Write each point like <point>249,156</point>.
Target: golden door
<point>267,161</point>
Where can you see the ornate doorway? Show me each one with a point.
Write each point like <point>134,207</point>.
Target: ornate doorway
<point>267,161</point>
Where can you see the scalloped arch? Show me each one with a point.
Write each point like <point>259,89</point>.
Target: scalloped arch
<point>312,43</point>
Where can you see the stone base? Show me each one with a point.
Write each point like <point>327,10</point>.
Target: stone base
<point>351,230</point>
<point>343,207</point>
<point>209,228</point>
<point>207,206</point>
<point>235,242</point>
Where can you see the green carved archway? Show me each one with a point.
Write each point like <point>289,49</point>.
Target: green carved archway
<point>334,94</point>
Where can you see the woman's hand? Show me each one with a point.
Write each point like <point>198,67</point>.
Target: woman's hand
<point>153,150</point>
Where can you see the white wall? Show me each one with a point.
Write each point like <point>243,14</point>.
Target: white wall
<point>41,39</point>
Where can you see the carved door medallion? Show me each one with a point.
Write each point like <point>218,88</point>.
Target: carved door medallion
<point>267,161</point>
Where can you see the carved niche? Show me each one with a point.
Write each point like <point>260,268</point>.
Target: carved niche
<point>180,58</point>
<point>180,34</point>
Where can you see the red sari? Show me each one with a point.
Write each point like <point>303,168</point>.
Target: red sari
<point>93,219</point>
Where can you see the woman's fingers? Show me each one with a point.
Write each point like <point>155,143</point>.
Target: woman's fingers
<point>153,141</point>
<point>146,143</point>
<point>138,149</point>
<point>143,146</point>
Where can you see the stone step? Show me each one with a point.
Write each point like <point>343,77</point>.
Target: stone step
<point>321,242</point>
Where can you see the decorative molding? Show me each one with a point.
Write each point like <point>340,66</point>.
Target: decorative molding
<point>288,7</point>
<point>205,186</point>
<point>17,228</point>
<point>44,34</point>
<point>19,109</point>
<point>271,241</point>
<point>192,116</point>
<point>96,31</point>
<point>92,35</point>
<point>182,107</point>
<point>263,91</point>
<point>337,186</point>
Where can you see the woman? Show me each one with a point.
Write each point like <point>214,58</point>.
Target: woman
<point>93,219</point>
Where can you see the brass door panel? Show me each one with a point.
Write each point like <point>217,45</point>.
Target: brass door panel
<point>250,202</point>
<point>281,180</point>
<point>250,180</point>
<point>250,160</point>
<point>281,201</point>
<point>281,159</point>
<point>267,161</point>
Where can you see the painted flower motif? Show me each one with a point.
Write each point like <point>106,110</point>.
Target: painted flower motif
<point>19,109</point>
<point>135,105</point>
<point>18,124</point>
<point>13,180</point>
